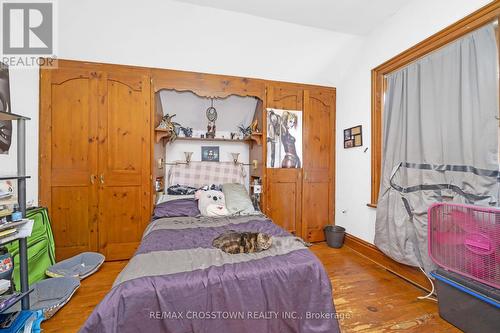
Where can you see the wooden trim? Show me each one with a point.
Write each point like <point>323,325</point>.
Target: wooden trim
<point>333,160</point>
<point>436,41</point>
<point>370,251</point>
<point>44,139</point>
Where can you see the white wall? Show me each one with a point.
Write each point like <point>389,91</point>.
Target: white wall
<point>166,34</point>
<point>190,109</point>
<point>412,24</point>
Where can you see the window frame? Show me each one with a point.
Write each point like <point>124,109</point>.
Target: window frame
<point>458,29</point>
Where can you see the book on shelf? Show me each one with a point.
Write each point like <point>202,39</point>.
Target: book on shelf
<point>21,229</point>
<point>7,232</point>
<point>16,224</point>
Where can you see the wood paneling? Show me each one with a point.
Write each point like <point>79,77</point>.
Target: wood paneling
<point>68,157</point>
<point>124,162</point>
<point>95,156</point>
<point>71,218</point>
<point>367,298</point>
<point>284,192</point>
<point>318,163</point>
<point>477,19</point>
<point>207,85</point>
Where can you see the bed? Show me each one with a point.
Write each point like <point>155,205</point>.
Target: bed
<point>178,283</point>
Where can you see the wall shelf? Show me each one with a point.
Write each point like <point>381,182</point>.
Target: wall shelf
<point>11,177</point>
<point>214,139</point>
<point>11,116</point>
<point>164,135</point>
<point>161,135</point>
<point>19,297</point>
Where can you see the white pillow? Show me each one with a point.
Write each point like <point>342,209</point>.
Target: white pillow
<point>237,200</point>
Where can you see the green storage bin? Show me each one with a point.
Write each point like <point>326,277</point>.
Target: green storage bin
<point>41,247</point>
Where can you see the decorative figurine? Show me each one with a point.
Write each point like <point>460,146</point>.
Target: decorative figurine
<point>169,126</point>
<point>245,131</point>
<point>188,131</point>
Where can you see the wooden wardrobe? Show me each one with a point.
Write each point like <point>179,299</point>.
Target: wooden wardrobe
<point>98,158</point>
<point>302,200</point>
<point>95,157</point>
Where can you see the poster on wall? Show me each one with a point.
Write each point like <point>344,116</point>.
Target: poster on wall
<point>284,138</point>
<point>5,126</point>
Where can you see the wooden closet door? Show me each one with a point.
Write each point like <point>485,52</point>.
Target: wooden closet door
<point>318,164</point>
<point>124,162</point>
<point>68,157</point>
<point>284,186</point>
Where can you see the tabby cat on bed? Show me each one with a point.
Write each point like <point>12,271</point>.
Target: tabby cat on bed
<point>243,242</point>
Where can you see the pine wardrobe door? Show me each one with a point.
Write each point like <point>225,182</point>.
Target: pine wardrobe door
<point>124,162</point>
<point>283,197</point>
<point>284,186</point>
<point>318,166</point>
<point>68,157</point>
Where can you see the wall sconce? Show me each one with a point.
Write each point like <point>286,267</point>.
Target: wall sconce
<point>254,164</point>
<point>160,163</point>
<point>188,155</point>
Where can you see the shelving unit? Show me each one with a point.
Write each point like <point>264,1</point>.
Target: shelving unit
<point>164,135</point>
<point>21,193</point>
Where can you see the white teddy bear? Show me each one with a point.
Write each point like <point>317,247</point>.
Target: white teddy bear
<point>211,203</point>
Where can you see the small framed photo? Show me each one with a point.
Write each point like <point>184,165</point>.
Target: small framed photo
<point>210,153</point>
<point>353,137</point>
<point>347,134</point>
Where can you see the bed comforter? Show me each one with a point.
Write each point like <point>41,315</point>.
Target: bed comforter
<point>178,283</point>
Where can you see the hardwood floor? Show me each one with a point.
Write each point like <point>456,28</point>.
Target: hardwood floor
<point>367,297</point>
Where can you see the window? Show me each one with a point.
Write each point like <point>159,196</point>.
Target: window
<point>479,18</point>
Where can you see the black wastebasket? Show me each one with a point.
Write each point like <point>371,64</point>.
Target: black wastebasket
<point>334,235</point>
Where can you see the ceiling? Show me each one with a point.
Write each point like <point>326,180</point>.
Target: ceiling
<point>348,16</point>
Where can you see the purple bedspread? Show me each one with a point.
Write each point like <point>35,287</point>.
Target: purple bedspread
<point>177,283</point>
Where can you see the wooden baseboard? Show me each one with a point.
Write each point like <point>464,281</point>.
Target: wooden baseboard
<point>370,251</point>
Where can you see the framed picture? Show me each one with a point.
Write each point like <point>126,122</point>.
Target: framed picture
<point>284,138</point>
<point>353,137</point>
<point>210,153</point>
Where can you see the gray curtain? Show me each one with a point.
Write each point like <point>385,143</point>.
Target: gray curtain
<point>440,141</point>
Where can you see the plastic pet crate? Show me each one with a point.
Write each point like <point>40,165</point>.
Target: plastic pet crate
<point>467,304</point>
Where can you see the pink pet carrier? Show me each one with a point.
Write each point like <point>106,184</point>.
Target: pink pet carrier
<point>466,239</point>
